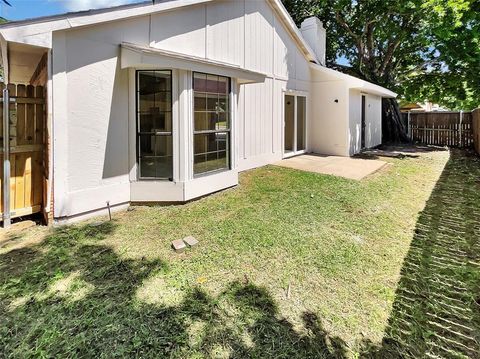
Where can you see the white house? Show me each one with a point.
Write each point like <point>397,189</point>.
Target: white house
<point>167,101</point>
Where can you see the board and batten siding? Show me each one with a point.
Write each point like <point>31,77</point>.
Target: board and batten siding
<point>94,146</point>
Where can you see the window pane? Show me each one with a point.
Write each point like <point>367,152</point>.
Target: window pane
<point>163,145</point>
<point>289,130</point>
<point>146,102</point>
<point>301,116</point>
<point>210,162</point>
<point>147,167</point>
<point>212,83</point>
<point>223,85</point>
<point>147,145</point>
<point>211,152</point>
<point>154,81</point>
<point>156,121</point>
<point>221,139</point>
<point>163,123</point>
<point>155,116</point>
<point>199,82</point>
<point>163,101</point>
<point>210,142</point>
<point>222,123</point>
<point>216,161</point>
<point>147,123</point>
<point>201,123</point>
<point>199,163</point>
<point>212,102</point>
<point>222,104</point>
<point>200,101</point>
<point>164,167</point>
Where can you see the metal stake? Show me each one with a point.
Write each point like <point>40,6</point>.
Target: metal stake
<point>6,159</point>
<point>109,211</point>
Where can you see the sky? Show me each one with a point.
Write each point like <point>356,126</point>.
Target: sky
<point>24,9</point>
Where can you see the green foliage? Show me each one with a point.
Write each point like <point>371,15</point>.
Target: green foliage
<point>424,50</point>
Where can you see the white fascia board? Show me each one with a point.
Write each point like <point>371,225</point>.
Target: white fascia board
<point>354,82</point>
<point>38,32</point>
<point>4,60</point>
<point>373,89</point>
<point>144,57</point>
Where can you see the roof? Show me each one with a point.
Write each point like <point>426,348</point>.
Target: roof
<point>410,106</point>
<point>37,31</point>
<point>38,19</point>
<point>353,82</point>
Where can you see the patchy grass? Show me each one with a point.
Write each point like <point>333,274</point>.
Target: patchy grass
<point>118,290</point>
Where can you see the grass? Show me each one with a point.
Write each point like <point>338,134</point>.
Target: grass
<point>290,264</point>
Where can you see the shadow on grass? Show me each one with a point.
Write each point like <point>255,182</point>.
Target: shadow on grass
<point>74,296</point>
<point>436,312</point>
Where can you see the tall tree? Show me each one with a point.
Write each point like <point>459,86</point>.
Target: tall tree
<point>415,47</point>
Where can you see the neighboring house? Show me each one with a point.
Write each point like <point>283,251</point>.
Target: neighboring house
<point>169,101</point>
<point>418,107</point>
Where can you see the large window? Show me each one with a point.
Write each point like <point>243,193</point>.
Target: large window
<point>154,124</point>
<point>211,123</point>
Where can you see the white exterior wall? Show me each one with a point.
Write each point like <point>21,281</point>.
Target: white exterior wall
<point>328,131</point>
<point>373,121</point>
<point>94,101</point>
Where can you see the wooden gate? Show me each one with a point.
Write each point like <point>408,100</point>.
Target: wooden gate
<point>27,145</point>
<point>442,128</point>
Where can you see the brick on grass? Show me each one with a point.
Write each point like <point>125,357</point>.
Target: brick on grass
<point>178,245</point>
<point>190,241</point>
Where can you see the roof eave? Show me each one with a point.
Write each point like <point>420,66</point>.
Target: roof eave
<point>355,83</point>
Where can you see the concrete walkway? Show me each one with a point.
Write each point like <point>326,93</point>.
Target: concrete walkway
<point>352,168</point>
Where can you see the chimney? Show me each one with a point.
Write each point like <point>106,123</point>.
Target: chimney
<point>315,35</point>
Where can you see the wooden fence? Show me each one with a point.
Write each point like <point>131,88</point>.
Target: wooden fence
<point>476,129</point>
<point>452,129</point>
<point>27,148</point>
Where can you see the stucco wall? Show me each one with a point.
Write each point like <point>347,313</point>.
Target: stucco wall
<point>329,118</point>
<point>93,115</point>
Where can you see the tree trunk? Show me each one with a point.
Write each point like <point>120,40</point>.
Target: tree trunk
<point>394,127</point>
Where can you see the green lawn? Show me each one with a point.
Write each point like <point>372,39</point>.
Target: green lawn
<point>290,264</point>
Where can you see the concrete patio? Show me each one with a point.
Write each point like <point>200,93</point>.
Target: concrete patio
<point>347,167</point>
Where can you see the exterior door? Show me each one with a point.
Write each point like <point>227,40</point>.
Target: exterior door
<point>363,120</point>
<point>295,113</point>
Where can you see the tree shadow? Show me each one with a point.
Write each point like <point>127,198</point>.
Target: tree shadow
<point>436,312</point>
<point>72,295</point>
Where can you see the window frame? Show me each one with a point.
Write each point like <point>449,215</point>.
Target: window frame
<point>162,133</point>
<point>228,130</point>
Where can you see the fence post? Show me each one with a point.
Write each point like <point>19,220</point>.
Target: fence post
<point>460,129</point>
<point>6,158</point>
<point>409,129</point>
